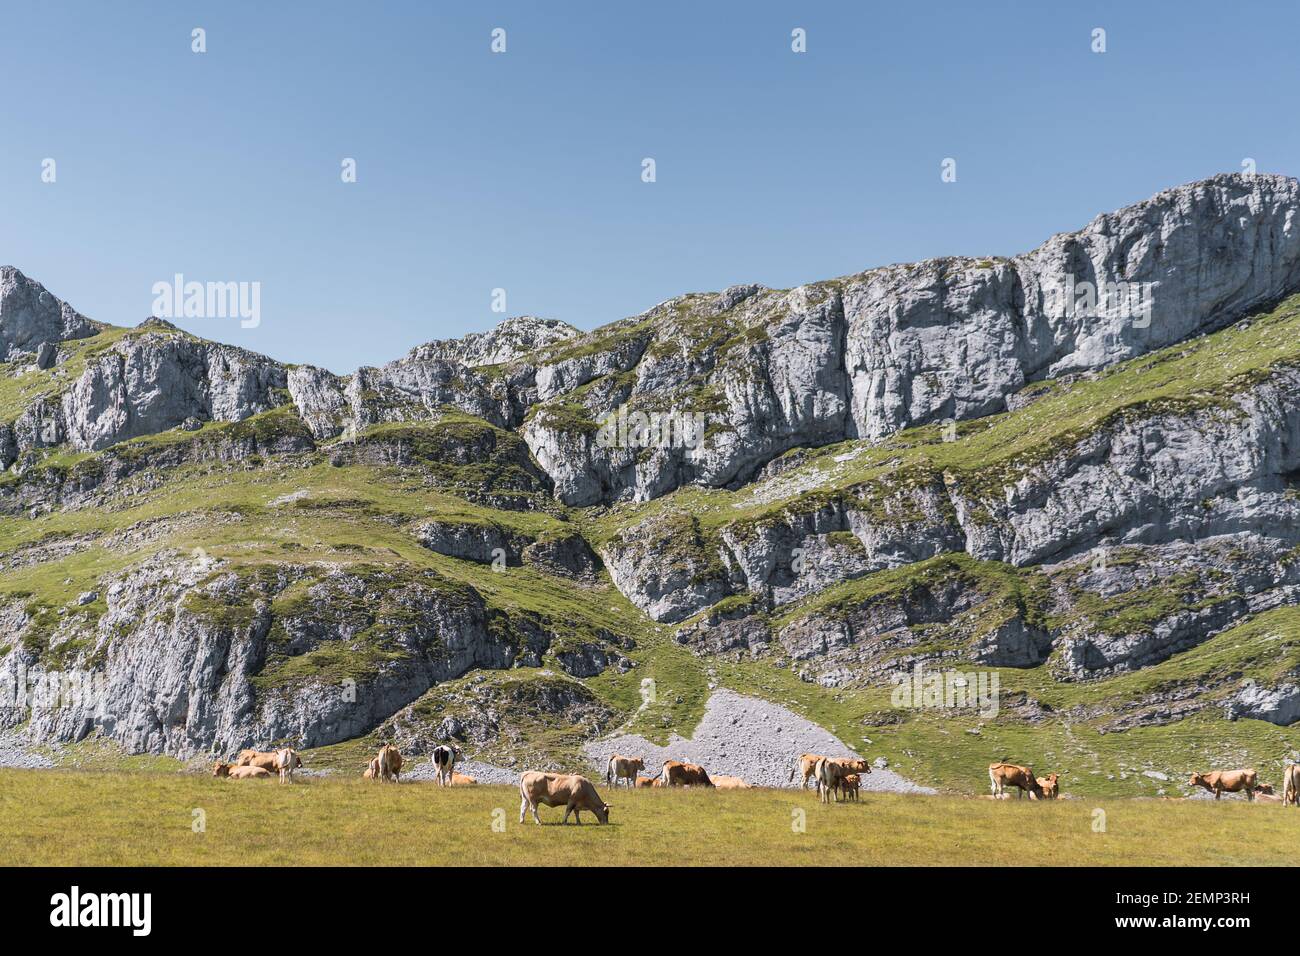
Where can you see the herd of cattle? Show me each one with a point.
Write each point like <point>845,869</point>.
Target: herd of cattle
<point>836,777</point>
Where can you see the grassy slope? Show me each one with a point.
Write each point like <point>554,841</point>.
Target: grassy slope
<point>109,818</point>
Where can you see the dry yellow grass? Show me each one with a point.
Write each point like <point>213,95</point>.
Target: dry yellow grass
<point>65,817</point>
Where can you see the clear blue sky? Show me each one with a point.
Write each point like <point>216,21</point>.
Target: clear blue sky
<point>523,170</point>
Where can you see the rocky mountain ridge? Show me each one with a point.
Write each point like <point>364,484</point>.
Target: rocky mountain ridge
<point>946,462</point>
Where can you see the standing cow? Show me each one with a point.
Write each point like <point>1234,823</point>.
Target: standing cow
<point>806,765</point>
<point>1291,785</point>
<point>626,768</point>
<point>830,775</point>
<point>678,774</point>
<point>444,759</point>
<point>569,790</point>
<point>1219,782</point>
<point>286,762</point>
<point>390,763</point>
<point>1003,775</point>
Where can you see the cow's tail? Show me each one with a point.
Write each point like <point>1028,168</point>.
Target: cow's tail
<point>609,771</point>
<point>993,783</point>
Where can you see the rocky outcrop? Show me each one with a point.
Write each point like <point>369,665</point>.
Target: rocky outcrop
<point>32,321</point>
<point>197,657</point>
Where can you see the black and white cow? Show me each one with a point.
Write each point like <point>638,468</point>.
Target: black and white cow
<point>444,759</point>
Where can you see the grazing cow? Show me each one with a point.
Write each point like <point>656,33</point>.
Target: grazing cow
<point>1048,787</point>
<point>678,774</point>
<point>1265,789</point>
<point>830,774</point>
<point>286,762</point>
<point>462,780</point>
<point>1291,785</point>
<point>850,784</point>
<point>444,759</point>
<point>626,768</point>
<point>729,783</point>
<point>1219,782</point>
<point>257,758</point>
<point>390,763</point>
<point>246,772</point>
<point>1003,775</point>
<point>569,790</point>
<point>647,781</point>
<point>807,764</point>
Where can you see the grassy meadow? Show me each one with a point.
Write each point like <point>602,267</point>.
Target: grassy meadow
<point>99,817</point>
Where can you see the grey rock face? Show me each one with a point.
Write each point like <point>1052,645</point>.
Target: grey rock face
<point>511,340</point>
<point>32,320</point>
<point>1279,705</point>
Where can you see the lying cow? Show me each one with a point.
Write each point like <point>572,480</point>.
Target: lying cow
<point>806,765</point>
<point>729,783</point>
<point>390,763</point>
<point>372,770</point>
<point>1048,787</point>
<point>257,758</point>
<point>626,768</point>
<point>569,790</point>
<point>286,762</point>
<point>830,774</point>
<point>1003,775</point>
<point>678,774</point>
<point>240,773</point>
<point>647,781</point>
<point>1219,782</point>
<point>444,758</point>
<point>462,780</point>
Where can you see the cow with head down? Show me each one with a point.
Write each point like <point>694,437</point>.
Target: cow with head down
<point>679,774</point>
<point>572,791</point>
<point>1003,775</point>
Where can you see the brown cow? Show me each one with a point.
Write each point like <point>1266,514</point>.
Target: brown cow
<point>572,791</point>
<point>390,763</point>
<point>850,785</point>
<point>1219,782</point>
<point>807,764</point>
<point>372,770</point>
<point>1048,787</point>
<point>678,774</point>
<point>626,768</point>
<point>246,772</point>
<point>647,781</point>
<point>729,783</point>
<point>830,774</point>
<point>1291,785</point>
<point>1003,775</point>
<point>258,758</point>
<point>462,780</point>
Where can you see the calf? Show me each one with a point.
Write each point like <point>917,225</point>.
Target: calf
<point>849,785</point>
<point>462,780</point>
<point>729,783</point>
<point>647,781</point>
<point>1219,782</point>
<point>569,790</point>
<point>626,768</point>
<point>444,759</point>
<point>1003,775</point>
<point>678,774</point>
<point>372,770</point>
<point>1048,787</point>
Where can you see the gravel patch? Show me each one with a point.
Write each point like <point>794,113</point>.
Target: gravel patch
<point>482,772</point>
<point>748,738</point>
<point>14,753</point>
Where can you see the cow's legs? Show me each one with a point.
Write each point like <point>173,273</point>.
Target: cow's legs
<point>523,807</point>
